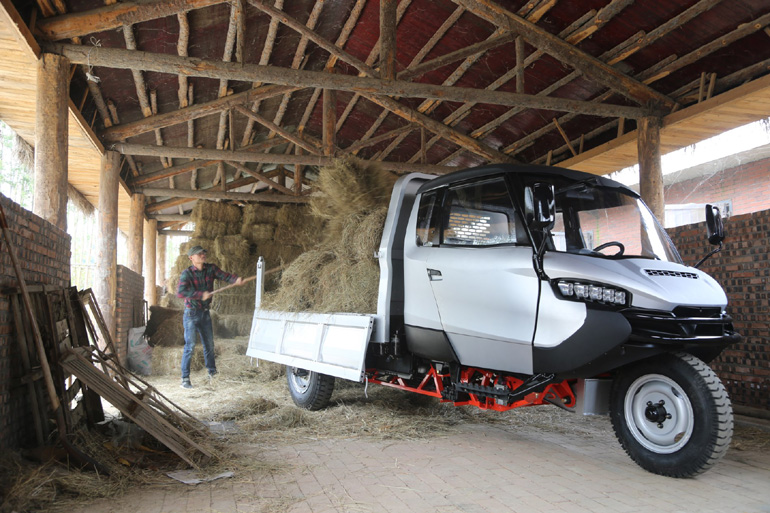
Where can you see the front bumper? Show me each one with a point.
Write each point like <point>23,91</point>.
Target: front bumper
<point>684,326</point>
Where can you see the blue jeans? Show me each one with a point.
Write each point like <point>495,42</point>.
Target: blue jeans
<point>198,322</point>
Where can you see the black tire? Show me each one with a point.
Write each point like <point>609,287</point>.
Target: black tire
<point>308,389</point>
<point>686,433</point>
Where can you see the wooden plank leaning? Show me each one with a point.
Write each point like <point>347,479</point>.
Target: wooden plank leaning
<point>53,398</point>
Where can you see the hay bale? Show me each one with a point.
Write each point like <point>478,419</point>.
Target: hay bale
<point>215,211</point>
<point>256,213</point>
<point>165,328</point>
<point>297,225</point>
<point>237,325</point>
<point>257,232</point>
<point>227,303</point>
<point>210,229</point>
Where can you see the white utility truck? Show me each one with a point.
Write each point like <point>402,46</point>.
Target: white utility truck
<point>517,285</point>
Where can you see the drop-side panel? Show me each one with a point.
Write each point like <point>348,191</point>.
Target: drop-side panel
<point>332,344</point>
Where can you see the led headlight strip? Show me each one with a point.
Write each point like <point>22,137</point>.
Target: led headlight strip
<point>592,293</point>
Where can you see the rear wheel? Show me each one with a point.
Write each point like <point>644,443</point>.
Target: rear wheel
<point>672,415</point>
<point>308,389</point>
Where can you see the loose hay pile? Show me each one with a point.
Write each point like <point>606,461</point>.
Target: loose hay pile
<point>340,274</point>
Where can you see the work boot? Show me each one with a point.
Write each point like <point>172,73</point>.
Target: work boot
<point>213,375</point>
<point>186,383</point>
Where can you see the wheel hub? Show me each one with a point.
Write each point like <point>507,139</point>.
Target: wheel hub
<point>659,413</point>
<point>656,412</point>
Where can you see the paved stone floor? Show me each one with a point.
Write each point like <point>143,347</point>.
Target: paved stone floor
<point>474,468</point>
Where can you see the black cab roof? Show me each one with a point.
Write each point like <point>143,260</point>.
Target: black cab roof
<point>547,172</point>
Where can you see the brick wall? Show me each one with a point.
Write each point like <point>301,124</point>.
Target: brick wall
<point>129,308</point>
<point>747,185</point>
<point>43,252</point>
<point>742,270</point>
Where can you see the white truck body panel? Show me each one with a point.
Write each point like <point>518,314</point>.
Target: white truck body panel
<point>332,344</point>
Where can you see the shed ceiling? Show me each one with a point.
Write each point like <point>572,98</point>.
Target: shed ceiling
<point>206,95</point>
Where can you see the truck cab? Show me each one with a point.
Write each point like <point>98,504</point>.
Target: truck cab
<point>599,286</point>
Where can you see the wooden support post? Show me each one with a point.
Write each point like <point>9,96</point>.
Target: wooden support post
<point>150,261</point>
<point>51,139</point>
<point>329,122</point>
<point>650,172</point>
<point>161,275</point>
<point>105,282</point>
<point>298,172</point>
<point>136,233</point>
<point>388,39</point>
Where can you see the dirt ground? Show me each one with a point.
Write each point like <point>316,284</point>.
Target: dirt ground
<point>272,447</point>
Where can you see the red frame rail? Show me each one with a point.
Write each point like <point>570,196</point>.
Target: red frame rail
<point>432,384</point>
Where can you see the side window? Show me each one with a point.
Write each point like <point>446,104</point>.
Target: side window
<point>479,214</point>
<point>427,220</point>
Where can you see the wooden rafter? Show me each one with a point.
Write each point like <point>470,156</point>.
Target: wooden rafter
<point>567,53</point>
<point>115,16</point>
<point>126,130</point>
<point>265,158</point>
<point>296,139</point>
<point>320,41</point>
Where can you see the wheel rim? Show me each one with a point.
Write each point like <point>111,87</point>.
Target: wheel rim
<point>659,413</point>
<point>300,379</point>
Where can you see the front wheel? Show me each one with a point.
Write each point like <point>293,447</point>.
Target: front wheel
<point>308,389</point>
<point>672,415</point>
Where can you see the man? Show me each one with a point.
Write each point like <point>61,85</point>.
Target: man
<point>196,285</point>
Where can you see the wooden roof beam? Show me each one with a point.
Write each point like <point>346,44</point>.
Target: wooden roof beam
<point>567,53</point>
<point>462,53</point>
<point>115,16</point>
<point>126,130</point>
<point>165,63</point>
<point>169,172</point>
<point>439,128</point>
<point>211,194</point>
<point>261,177</point>
<point>264,158</point>
<point>296,139</point>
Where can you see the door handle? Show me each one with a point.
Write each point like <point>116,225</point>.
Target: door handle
<point>434,275</point>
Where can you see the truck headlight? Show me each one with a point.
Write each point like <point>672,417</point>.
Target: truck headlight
<point>599,293</point>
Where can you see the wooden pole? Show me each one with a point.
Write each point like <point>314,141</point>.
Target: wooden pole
<point>388,39</point>
<point>51,139</point>
<point>329,122</point>
<point>161,275</point>
<point>650,172</point>
<point>150,261</point>
<point>174,64</point>
<point>136,233</point>
<point>105,283</point>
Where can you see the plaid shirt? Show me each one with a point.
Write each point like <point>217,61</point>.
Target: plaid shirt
<point>193,283</point>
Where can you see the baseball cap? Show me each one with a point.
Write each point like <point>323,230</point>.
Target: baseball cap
<point>195,250</point>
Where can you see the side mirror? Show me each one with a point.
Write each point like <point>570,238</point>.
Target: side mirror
<point>544,207</point>
<point>715,228</point>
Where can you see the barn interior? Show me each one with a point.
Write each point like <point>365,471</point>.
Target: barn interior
<point>276,128</point>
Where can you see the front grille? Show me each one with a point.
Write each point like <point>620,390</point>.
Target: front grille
<point>672,274</point>
<point>685,323</point>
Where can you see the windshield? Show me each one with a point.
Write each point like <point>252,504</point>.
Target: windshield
<point>606,222</point>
